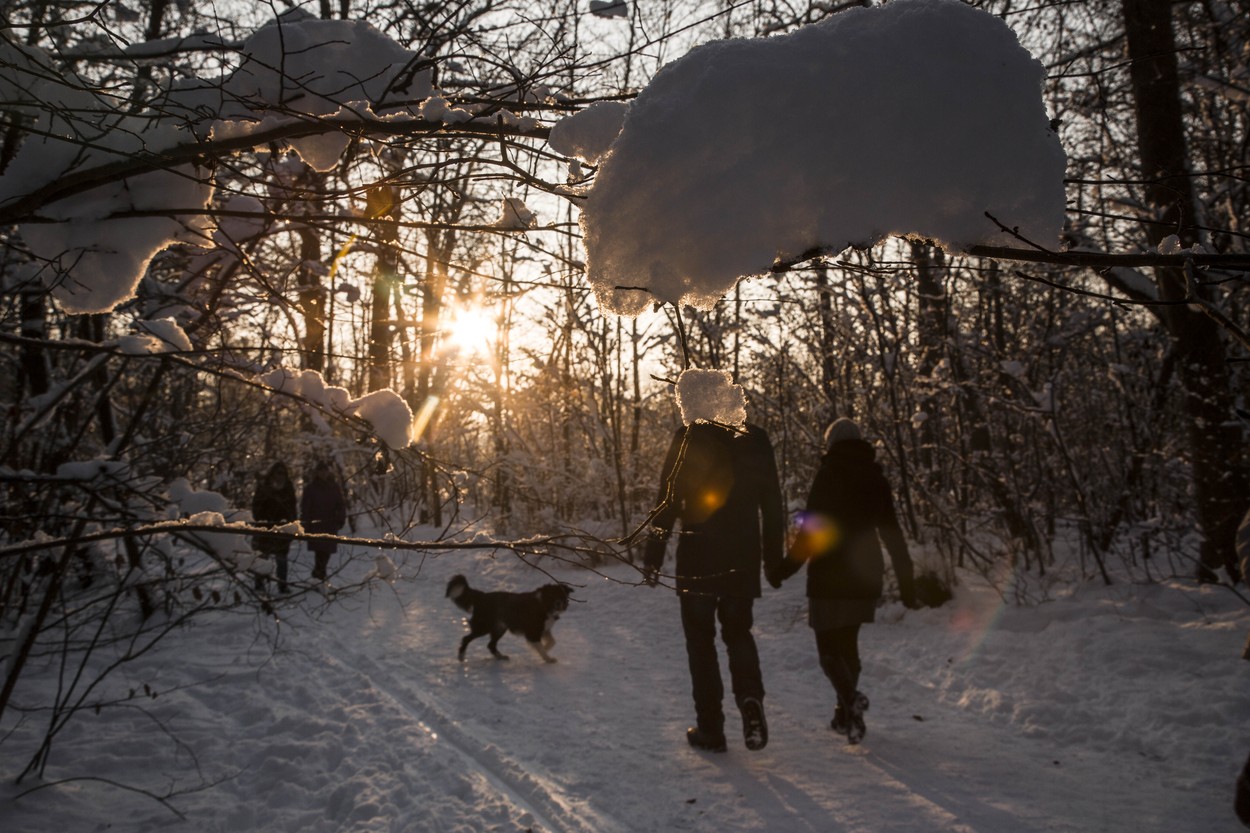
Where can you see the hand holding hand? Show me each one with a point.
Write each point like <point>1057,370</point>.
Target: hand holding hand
<point>774,574</point>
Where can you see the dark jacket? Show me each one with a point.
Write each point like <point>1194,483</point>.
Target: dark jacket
<point>850,512</point>
<point>322,508</point>
<point>727,496</point>
<point>273,504</point>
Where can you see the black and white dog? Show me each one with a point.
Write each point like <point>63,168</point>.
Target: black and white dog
<point>495,613</point>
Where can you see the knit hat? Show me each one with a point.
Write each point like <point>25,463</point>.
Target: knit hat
<point>842,429</point>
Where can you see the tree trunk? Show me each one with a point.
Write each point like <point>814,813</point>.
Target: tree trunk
<point>1215,443</point>
<point>931,334</point>
<point>33,366</point>
<point>828,338</point>
<point>312,303</point>
<point>383,204</point>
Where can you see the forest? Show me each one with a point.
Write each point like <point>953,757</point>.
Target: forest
<point>218,252</point>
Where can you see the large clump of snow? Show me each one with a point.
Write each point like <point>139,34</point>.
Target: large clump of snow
<point>711,396</point>
<point>95,246</point>
<point>589,133</point>
<point>303,69</point>
<point>92,255</point>
<point>916,117</point>
<point>384,410</point>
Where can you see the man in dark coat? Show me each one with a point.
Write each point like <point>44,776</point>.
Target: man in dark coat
<point>850,512</point>
<point>722,485</point>
<point>273,504</point>
<point>322,510</point>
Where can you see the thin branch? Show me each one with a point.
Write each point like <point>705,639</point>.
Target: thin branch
<point>1238,262</point>
<point>70,184</point>
<point>186,526</point>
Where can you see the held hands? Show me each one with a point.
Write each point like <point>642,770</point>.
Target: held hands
<point>778,571</point>
<point>774,574</point>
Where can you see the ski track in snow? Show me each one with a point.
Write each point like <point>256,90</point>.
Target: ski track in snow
<point>544,804</point>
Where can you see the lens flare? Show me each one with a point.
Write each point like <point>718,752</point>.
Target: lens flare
<point>472,330</point>
<point>817,534</point>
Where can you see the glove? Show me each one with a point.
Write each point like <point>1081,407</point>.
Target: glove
<point>650,575</point>
<point>653,557</point>
<point>774,574</point>
<point>783,569</point>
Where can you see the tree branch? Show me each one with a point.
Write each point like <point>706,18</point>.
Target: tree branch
<point>20,209</point>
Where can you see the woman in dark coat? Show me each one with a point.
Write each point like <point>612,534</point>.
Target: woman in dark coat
<point>273,504</point>
<point>850,512</point>
<point>322,510</point>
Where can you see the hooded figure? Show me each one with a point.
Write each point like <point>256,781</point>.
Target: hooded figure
<point>273,504</point>
<point>722,485</point>
<point>324,511</point>
<point>850,512</point>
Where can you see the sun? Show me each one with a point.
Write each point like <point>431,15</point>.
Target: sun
<point>472,330</point>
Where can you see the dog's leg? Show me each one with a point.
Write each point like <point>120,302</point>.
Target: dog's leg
<point>494,642</point>
<point>540,648</point>
<point>549,639</point>
<point>464,643</point>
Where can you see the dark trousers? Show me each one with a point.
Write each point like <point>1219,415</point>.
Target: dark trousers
<point>838,649</point>
<point>698,619</point>
<point>321,563</point>
<point>279,555</point>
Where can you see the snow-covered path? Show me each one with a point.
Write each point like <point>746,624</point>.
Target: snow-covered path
<point>1110,711</point>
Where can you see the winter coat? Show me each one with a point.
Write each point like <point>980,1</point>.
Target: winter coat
<point>322,509</point>
<point>273,504</point>
<point>727,497</point>
<point>850,512</point>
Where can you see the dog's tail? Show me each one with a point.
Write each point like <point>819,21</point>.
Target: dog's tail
<point>458,591</point>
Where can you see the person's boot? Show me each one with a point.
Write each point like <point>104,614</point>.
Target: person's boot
<point>705,740</point>
<point>855,729</point>
<point>839,723</point>
<point>754,726</point>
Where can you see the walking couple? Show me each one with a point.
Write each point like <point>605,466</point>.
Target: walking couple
<point>722,485</point>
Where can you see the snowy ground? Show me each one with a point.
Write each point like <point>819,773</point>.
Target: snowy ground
<point>1120,709</point>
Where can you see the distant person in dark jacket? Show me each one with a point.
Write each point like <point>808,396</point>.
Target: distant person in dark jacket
<point>273,504</point>
<point>850,512</point>
<point>322,510</point>
<point>722,485</point>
